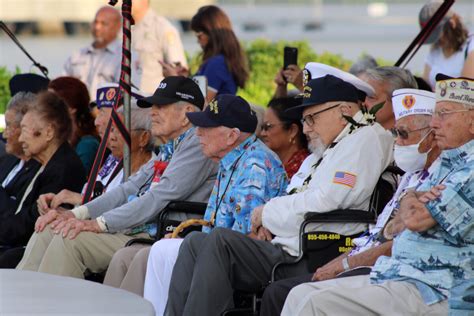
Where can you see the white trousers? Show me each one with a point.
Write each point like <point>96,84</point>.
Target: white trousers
<point>161,260</point>
<point>356,296</point>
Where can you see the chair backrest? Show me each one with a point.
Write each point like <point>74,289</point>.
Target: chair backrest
<point>384,189</point>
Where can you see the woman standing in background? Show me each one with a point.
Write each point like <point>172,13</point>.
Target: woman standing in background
<point>223,61</point>
<point>452,50</point>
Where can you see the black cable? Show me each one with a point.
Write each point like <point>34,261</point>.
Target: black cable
<point>42,68</point>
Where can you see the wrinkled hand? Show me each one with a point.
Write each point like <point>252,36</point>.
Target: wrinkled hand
<point>264,234</point>
<point>414,214</point>
<point>66,196</point>
<point>432,194</point>
<point>59,221</point>
<point>44,220</point>
<point>73,226</point>
<point>294,75</point>
<point>44,202</point>
<point>329,271</point>
<point>256,219</point>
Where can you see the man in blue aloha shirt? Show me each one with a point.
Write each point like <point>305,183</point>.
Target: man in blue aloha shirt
<point>431,268</point>
<point>249,175</point>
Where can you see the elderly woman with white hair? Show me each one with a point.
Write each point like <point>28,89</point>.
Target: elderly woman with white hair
<point>141,151</point>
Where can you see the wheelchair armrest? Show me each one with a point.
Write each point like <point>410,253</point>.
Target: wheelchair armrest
<point>145,241</point>
<point>187,207</point>
<point>340,216</point>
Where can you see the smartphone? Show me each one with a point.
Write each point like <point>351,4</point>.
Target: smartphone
<point>202,83</point>
<point>290,56</point>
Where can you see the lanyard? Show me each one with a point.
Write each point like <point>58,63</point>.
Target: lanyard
<point>233,168</point>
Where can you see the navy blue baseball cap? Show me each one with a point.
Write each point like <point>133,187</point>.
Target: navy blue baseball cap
<point>226,110</point>
<point>28,83</point>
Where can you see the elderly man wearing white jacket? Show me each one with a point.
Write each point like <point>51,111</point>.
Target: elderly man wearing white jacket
<point>342,172</point>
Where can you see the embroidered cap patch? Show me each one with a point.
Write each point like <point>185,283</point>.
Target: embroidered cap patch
<point>344,178</point>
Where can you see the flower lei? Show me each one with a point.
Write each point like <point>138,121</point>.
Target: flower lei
<point>368,116</point>
<point>307,180</point>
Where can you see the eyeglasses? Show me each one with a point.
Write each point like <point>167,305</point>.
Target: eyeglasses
<point>441,114</point>
<point>403,134</point>
<point>310,118</point>
<point>269,126</point>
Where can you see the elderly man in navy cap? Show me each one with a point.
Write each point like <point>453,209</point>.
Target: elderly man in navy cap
<point>415,151</point>
<point>250,174</point>
<point>341,172</point>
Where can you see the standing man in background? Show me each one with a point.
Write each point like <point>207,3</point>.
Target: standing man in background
<point>155,39</point>
<point>99,62</point>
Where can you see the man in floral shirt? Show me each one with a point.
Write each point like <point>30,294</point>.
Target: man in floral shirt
<point>431,268</point>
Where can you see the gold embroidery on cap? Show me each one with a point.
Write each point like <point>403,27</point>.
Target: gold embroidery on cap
<point>213,107</point>
<point>307,92</point>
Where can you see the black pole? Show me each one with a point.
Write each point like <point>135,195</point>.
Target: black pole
<point>424,33</point>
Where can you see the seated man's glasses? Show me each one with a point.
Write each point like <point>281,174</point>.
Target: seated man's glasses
<point>403,133</point>
<point>441,114</point>
<point>310,118</point>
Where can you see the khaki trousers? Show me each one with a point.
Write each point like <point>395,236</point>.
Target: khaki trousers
<point>128,268</point>
<point>50,253</point>
<point>356,296</point>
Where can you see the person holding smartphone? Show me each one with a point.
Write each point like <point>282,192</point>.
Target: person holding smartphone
<point>290,73</point>
<point>223,61</point>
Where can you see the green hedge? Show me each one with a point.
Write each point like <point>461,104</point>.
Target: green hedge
<point>5,76</point>
<point>265,59</point>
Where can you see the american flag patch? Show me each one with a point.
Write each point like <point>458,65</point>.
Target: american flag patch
<point>344,178</point>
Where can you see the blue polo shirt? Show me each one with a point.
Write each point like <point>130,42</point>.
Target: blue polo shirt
<point>219,78</point>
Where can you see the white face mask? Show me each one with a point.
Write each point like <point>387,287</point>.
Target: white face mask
<point>408,158</point>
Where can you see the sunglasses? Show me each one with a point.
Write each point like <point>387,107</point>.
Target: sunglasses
<point>269,126</point>
<point>403,133</point>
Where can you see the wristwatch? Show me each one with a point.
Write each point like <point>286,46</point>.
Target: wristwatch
<point>102,223</point>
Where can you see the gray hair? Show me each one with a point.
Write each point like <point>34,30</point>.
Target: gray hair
<point>20,103</point>
<point>140,119</point>
<point>363,64</point>
<point>182,104</point>
<point>397,78</point>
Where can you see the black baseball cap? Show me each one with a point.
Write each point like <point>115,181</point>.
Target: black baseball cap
<point>226,110</point>
<point>174,89</point>
<point>327,89</point>
<point>28,83</point>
